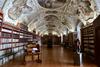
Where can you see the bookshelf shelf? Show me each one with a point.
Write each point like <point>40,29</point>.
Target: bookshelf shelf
<point>12,39</point>
<point>88,41</point>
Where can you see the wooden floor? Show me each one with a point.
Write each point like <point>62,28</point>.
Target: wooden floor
<point>51,57</point>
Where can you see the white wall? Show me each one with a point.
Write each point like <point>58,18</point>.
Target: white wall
<point>79,31</point>
<point>98,5</point>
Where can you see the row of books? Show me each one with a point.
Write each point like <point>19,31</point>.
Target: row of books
<point>6,40</point>
<point>4,46</point>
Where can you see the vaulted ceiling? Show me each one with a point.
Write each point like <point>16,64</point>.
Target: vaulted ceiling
<point>50,16</point>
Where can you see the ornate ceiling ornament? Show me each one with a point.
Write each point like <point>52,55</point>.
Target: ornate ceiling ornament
<point>18,8</point>
<point>85,7</point>
<point>14,12</point>
<point>26,9</point>
<point>51,3</point>
<point>23,5</point>
<point>19,2</point>
<point>51,12</point>
<point>51,18</point>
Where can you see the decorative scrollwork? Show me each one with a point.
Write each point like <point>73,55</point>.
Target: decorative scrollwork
<point>18,8</point>
<point>51,3</point>
<point>14,12</point>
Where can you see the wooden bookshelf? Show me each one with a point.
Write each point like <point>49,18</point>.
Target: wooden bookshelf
<point>96,24</point>
<point>12,40</point>
<point>71,39</point>
<point>55,39</point>
<point>88,41</point>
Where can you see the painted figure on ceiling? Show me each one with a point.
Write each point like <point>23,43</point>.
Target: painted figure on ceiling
<point>18,8</point>
<point>85,7</point>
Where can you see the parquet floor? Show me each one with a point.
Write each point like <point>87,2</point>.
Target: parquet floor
<point>51,57</point>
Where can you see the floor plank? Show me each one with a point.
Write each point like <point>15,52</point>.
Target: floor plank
<point>51,57</point>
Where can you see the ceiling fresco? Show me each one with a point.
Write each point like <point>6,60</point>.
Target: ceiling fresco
<point>50,15</point>
<point>51,3</point>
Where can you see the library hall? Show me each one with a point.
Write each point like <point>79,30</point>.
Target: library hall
<point>49,33</point>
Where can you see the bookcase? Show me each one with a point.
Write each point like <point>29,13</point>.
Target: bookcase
<point>88,41</point>
<point>96,24</point>
<point>12,41</point>
<point>71,38</point>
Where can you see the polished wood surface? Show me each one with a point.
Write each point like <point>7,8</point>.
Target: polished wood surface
<point>51,57</point>
<point>96,24</point>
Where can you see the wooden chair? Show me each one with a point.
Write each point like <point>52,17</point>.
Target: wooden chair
<point>37,52</point>
<point>32,50</point>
